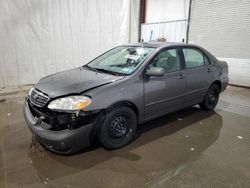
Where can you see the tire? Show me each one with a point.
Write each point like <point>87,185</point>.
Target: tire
<point>118,128</point>
<point>211,99</point>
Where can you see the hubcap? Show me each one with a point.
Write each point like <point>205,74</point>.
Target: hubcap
<point>118,127</point>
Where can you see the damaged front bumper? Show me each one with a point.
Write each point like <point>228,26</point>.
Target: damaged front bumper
<point>64,141</point>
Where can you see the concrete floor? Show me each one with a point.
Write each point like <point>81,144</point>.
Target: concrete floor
<point>190,148</point>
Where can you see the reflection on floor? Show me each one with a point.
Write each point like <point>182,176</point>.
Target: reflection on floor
<point>191,148</point>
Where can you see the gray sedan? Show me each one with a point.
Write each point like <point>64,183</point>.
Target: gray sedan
<point>108,97</point>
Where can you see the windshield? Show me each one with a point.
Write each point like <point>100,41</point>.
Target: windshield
<point>121,60</point>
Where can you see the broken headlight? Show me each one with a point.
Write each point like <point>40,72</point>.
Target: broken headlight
<point>71,103</point>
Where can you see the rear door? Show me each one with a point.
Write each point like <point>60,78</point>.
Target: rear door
<point>165,93</point>
<point>198,72</point>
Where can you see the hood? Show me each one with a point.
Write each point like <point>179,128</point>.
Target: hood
<point>73,81</point>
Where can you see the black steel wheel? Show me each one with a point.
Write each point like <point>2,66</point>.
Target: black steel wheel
<point>118,128</point>
<point>211,98</point>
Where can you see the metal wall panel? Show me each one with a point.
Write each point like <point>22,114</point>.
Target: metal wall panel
<point>173,31</point>
<point>166,10</point>
<point>165,19</point>
<point>223,28</point>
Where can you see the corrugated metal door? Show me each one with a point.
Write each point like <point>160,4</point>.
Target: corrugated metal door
<point>223,28</point>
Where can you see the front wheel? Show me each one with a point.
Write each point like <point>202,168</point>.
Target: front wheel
<point>118,128</point>
<point>211,98</point>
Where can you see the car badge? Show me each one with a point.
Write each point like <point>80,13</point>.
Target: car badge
<point>36,96</point>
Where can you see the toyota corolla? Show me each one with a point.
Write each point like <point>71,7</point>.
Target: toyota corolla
<point>108,97</point>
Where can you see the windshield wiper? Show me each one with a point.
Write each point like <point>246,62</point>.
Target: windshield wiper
<point>105,71</point>
<point>110,72</point>
<point>91,68</point>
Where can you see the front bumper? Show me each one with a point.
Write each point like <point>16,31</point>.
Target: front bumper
<point>64,141</point>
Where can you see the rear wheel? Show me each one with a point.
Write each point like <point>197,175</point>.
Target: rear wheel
<point>118,128</point>
<point>211,98</point>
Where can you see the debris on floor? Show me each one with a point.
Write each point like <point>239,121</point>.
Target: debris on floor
<point>192,149</point>
<point>179,119</point>
<point>36,148</point>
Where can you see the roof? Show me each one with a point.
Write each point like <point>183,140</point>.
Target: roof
<point>159,44</point>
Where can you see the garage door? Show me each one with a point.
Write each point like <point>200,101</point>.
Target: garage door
<point>223,27</point>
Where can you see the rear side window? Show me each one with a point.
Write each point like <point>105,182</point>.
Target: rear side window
<point>194,57</point>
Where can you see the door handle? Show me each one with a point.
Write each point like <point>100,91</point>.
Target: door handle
<point>208,70</point>
<point>180,76</point>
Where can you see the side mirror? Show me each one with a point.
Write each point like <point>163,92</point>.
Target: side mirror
<point>155,71</point>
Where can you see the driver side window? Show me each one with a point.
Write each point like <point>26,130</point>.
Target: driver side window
<point>169,60</point>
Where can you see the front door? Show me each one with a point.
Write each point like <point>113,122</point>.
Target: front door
<point>166,93</point>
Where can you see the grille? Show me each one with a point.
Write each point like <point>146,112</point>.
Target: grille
<point>38,98</point>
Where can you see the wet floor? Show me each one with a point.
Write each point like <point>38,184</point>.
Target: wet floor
<point>191,148</point>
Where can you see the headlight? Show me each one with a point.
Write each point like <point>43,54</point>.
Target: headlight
<point>71,103</point>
